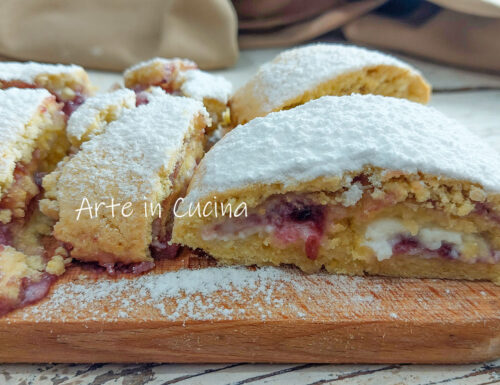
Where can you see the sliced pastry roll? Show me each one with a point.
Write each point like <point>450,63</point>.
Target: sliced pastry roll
<point>302,74</point>
<point>182,77</point>
<point>112,200</point>
<point>69,83</point>
<point>356,184</point>
<point>32,141</point>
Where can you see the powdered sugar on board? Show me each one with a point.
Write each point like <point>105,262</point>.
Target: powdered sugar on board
<point>87,115</point>
<point>239,293</point>
<point>28,71</point>
<point>126,161</point>
<point>17,108</point>
<point>201,85</point>
<point>298,70</point>
<point>332,135</point>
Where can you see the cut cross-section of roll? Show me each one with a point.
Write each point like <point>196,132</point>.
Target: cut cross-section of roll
<point>298,75</point>
<point>32,141</point>
<point>357,184</point>
<point>69,83</point>
<point>112,199</point>
<point>182,77</point>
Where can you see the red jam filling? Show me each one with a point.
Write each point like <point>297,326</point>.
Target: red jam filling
<point>484,210</point>
<point>411,246</point>
<point>160,247</point>
<point>298,221</point>
<point>71,106</point>
<point>141,98</point>
<point>30,292</point>
<point>290,221</point>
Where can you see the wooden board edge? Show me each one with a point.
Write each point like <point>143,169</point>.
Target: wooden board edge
<point>284,341</point>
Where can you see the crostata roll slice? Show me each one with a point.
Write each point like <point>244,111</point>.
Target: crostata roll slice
<point>113,199</point>
<point>89,120</point>
<point>182,77</point>
<point>301,74</point>
<point>356,184</point>
<point>32,141</point>
<point>69,83</point>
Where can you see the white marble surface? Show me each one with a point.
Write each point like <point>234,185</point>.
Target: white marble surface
<point>472,98</point>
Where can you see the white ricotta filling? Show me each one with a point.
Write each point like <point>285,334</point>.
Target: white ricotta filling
<point>381,235</point>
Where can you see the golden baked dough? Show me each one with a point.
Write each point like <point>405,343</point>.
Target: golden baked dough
<point>302,74</point>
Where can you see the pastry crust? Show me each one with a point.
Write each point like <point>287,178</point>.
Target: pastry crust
<point>397,189</point>
<point>69,83</point>
<point>146,156</point>
<point>182,77</point>
<point>302,74</point>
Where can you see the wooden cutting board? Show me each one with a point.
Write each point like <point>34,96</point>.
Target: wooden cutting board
<point>264,315</point>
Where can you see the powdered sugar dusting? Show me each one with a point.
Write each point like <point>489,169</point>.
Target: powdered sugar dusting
<point>205,294</point>
<point>298,70</point>
<point>28,71</point>
<point>17,108</point>
<point>87,114</point>
<point>199,85</point>
<point>332,135</point>
<point>239,293</point>
<point>125,161</point>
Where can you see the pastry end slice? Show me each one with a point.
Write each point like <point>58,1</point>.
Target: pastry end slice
<point>306,73</point>
<point>354,184</point>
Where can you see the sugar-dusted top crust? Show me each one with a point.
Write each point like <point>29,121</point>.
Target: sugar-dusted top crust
<point>28,71</point>
<point>295,71</point>
<point>201,85</point>
<point>17,109</point>
<point>127,159</point>
<point>332,135</point>
<point>176,62</point>
<point>87,117</point>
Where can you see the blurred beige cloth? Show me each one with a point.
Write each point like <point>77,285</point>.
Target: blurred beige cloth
<point>457,34</point>
<point>114,34</point>
<point>449,37</point>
